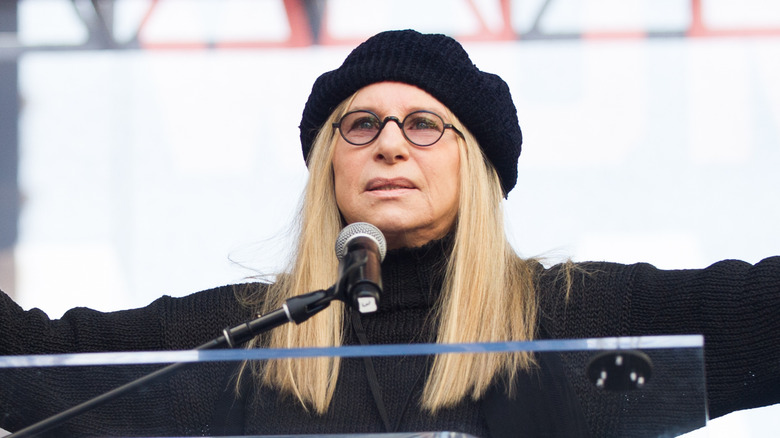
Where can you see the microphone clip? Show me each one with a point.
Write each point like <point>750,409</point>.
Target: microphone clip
<point>355,286</point>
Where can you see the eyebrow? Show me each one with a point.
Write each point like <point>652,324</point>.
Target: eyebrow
<point>408,110</point>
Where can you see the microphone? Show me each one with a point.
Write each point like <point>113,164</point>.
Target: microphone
<point>360,248</point>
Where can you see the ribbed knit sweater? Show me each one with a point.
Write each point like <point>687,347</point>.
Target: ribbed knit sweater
<point>733,304</point>
<point>412,281</point>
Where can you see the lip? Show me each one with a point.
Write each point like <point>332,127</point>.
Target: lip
<point>389,185</point>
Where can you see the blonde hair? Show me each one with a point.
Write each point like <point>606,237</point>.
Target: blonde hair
<point>476,283</point>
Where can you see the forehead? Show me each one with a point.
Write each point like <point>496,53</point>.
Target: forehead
<point>395,98</point>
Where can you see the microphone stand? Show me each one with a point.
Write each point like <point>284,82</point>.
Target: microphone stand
<point>296,309</point>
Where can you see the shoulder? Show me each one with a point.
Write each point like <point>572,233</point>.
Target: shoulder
<point>190,320</point>
<point>227,296</point>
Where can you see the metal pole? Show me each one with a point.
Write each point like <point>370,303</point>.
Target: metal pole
<point>9,151</point>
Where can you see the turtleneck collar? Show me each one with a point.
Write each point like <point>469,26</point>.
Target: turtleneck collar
<point>412,277</point>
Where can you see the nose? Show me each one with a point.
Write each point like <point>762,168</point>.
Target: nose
<point>391,144</point>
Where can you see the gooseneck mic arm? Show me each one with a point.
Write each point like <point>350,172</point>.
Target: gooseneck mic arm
<point>360,248</point>
<point>297,309</point>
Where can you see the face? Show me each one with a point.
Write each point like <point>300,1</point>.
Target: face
<point>409,192</point>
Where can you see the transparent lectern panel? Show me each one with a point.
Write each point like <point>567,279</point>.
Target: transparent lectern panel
<point>644,386</point>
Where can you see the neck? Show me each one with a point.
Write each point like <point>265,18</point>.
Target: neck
<point>412,239</point>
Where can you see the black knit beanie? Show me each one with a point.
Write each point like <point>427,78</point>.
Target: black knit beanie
<point>439,65</point>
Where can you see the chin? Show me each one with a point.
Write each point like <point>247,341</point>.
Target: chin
<point>408,235</point>
<point>389,227</point>
<point>391,220</point>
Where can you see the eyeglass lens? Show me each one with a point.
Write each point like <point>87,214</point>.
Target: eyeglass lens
<point>422,128</point>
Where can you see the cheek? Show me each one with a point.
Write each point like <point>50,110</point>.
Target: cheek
<point>450,186</point>
<point>455,181</point>
<point>345,179</point>
<point>339,182</point>
<point>449,176</point>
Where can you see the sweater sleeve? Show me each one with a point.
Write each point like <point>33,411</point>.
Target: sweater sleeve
<point>30,395</point>
<point>733,304</point>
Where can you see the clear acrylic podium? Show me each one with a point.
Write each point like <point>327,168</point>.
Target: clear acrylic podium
<point>639,386</point>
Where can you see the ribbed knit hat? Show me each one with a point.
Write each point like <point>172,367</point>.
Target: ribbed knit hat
<point>439,65</point>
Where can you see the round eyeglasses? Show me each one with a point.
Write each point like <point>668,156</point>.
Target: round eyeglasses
<point>421,128</point>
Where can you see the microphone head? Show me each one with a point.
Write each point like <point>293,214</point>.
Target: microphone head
<point>360,229</point>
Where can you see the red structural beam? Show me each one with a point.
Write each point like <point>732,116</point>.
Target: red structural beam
<point>302,34</point>
<point>699,28</point>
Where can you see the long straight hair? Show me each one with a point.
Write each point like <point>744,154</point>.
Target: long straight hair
<point>483,276</point>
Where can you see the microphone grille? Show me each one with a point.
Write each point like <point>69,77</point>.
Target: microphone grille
<point>360,229</point>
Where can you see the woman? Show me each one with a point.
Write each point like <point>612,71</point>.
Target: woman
<point>409,135</point>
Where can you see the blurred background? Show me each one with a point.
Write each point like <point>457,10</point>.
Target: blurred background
<point>151,147</point>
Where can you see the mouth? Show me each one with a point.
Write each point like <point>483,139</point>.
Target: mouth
<point>385,184</point>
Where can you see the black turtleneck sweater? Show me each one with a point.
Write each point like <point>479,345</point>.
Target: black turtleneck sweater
<point>411,285</point>
<point>733,304</point>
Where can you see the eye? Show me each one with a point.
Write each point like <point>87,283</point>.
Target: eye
<point>362,122</point>
<point>423,121</point>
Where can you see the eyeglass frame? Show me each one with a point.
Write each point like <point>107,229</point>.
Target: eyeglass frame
<point>400,123</point>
